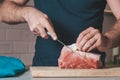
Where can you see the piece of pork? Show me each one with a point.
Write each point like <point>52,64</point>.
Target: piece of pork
<point>78,59</point>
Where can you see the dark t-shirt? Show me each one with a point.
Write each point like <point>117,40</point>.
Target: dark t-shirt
<point>69,18</point>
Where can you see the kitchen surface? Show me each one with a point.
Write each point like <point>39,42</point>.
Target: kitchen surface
<point>111,72</point>
<point>17,41</point>
<point>38,72</point>
<point>27,76</point>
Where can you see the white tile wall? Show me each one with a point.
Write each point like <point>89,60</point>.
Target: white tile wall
<point>2,34</point>
<point>20,47</point>
<point>17,41</point>
<point>13,34</point>
<point>6,46</point>
<point>27,58</point>
<point>22,26</point>
<point>27,35</point>
<point>31,47</point>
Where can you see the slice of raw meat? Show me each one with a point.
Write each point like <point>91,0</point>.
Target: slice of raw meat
<point>78,59</point>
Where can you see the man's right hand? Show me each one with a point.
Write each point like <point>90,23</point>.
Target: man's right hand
<point>15,11</point>
<point>39,23</point>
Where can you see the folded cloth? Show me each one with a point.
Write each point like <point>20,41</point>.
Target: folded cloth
<point>10,66</point>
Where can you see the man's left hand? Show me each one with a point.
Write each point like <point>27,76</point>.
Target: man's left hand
<point>91,39</point>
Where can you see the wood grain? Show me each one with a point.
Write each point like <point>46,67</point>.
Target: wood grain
<point>57,72</point>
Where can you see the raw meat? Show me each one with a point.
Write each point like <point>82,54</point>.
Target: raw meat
<point>78,59</point>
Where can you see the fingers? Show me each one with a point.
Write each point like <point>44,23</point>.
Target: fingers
<point>35,32</point>
<point>87,39</point>
<point>98,42</point>
<point>82,34</point>
<point>39,23</point>
<point>92,47</point>
<point>40,30</point>
<point>90,44</point>
<point>49,27</point>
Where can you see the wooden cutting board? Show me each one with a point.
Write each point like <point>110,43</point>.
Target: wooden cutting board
<point>57,72</point>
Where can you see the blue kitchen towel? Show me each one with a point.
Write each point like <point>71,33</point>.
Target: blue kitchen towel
<point>10,66</point>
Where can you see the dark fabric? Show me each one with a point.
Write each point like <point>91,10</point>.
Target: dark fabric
<point>69,18</point>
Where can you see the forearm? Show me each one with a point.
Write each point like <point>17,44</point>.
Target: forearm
<point>113,35</point>
<point>11,12</point>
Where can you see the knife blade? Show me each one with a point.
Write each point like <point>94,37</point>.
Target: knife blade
<point>60,42</point>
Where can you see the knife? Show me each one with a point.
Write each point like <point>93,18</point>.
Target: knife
<point>61,42</point>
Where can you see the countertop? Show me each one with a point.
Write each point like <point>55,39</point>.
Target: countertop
<point>27,76</point>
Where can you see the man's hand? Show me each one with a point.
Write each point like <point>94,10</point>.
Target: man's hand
<point>39,23</point>
<point>19,2</point>
<point>15,11</point>
<point>91,39</point>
